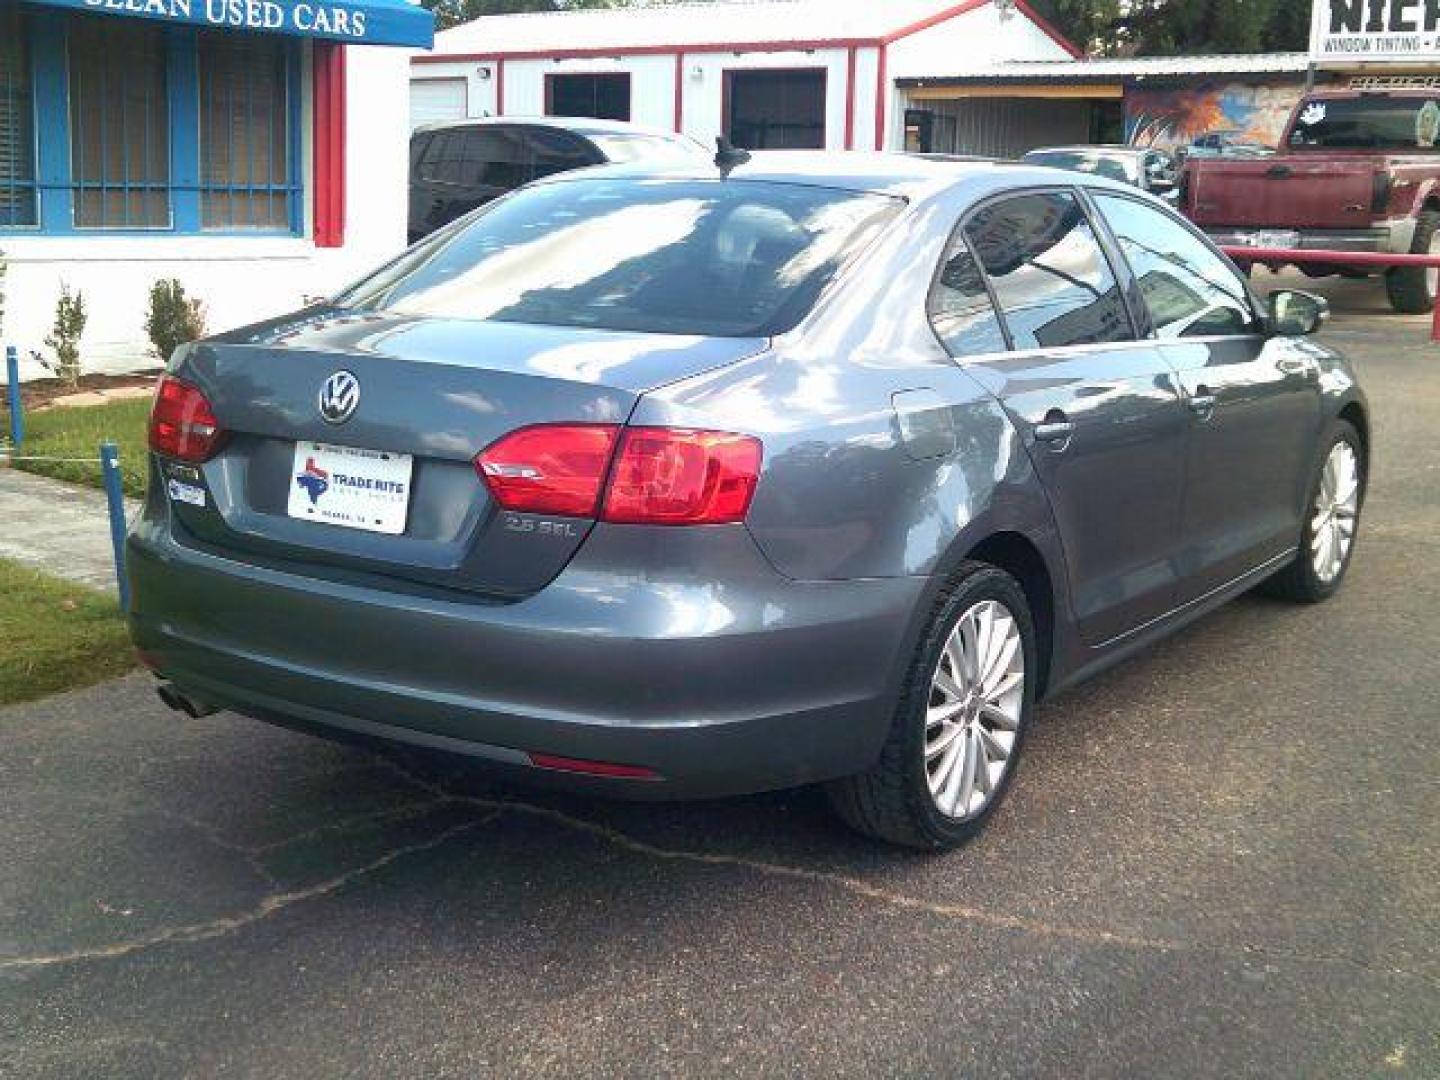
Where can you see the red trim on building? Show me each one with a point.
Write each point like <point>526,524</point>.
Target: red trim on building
<point>933,20</point>
<point>1049,30</point>
<point>329,144</point>
<point>679,92</point>
<point>850,63</point>
<point>882,92</point>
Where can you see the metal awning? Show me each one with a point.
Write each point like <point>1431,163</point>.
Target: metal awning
<point>354,22</point>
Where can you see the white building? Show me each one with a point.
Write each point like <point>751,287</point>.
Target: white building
<point>256,151</point>
<point>768,73</point>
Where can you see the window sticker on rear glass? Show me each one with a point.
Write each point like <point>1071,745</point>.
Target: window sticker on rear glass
<point>1427,124</point>
<point>1313,113</point>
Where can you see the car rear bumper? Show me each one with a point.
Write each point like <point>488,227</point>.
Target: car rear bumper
<point>1390,238</point>
<point>677,651</point>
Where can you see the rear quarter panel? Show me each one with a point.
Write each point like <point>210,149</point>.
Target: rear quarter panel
<point>854,486</point>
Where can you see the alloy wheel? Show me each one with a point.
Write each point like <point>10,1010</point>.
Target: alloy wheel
<point>1337,505</point>
<point>973,717</point>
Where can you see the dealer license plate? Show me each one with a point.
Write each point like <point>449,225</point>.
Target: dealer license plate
<point>352,488</point>
<point>1286,239</point>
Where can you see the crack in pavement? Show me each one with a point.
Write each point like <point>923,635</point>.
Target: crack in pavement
<point>268,906</point>
<point>496,808</point>
<point>893,898</point>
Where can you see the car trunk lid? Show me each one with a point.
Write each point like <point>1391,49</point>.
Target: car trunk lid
<point>437,390</point>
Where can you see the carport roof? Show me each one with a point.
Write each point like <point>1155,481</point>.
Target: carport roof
<point>1119,70</point>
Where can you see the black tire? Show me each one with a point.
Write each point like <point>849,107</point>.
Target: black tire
<point>892,801</point>
<point>1299,581</point>
<point>1409,286</point>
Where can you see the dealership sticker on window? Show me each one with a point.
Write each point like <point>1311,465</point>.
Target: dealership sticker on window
<point>186,493</point>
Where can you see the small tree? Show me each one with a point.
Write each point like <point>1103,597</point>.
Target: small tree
<point>64,338</point>
<point>174,318</point>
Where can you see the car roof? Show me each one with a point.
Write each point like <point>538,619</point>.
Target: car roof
<point>901,175</point>
<point>880,173</point>
<point>578,125</point>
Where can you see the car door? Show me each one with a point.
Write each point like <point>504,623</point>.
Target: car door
<point>1100,412</point>
<point>1254,399</point>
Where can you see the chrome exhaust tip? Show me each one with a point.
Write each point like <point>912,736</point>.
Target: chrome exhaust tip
<point>182,702</point>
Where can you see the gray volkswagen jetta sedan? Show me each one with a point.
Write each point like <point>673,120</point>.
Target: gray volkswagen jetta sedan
<point>805,469</point>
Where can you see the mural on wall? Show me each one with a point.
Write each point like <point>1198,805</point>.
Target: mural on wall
<point>1171,117</point>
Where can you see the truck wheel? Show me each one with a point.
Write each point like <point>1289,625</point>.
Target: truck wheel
<point>1412,288</point>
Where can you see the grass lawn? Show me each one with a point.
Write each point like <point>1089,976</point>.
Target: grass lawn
<point>78,432</point>
<point>57,635</point>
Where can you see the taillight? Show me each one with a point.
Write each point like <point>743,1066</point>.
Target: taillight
<point>182,424</point>
<point>677,476</point>
<point>550,469</point>
<point>657,476</point>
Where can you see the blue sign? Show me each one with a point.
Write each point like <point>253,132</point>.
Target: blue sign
<point>358,22</point>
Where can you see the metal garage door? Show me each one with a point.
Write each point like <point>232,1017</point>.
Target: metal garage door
<point>437,99</point>
<point>1006,127</point>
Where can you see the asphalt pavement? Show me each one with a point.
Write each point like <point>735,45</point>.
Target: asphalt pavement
<point>1220,859</point>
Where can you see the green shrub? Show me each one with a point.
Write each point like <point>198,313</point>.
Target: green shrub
<point>174,318</point>
<point>64,338</point>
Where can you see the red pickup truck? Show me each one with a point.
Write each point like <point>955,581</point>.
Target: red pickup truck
<point>1356,171</point>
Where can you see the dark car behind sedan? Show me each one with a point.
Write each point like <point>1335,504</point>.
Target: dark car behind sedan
<point>692,482</point>
<point>459,166</point>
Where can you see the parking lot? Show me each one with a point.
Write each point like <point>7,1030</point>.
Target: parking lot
<point>1219,860</point>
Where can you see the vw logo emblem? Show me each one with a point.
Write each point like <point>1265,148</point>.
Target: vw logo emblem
<point>339,397</point>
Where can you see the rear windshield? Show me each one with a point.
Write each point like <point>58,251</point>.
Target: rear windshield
<point>705,257</point>
<point>1094,164</point>
<point>1367,124</point>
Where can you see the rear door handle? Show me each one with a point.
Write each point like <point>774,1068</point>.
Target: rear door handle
<point>1279,172</point>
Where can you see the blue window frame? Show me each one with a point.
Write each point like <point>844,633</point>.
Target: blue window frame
<point>125,125</point>
<point>18,203</point>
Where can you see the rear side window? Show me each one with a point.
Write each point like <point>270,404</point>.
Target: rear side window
<point>1050,276</point>
<point>706,257</point>
<point>434,154</point>
<point>492,158</point>
<point>960,307</point>
<point>557,152</point>
<point>1190,290</point>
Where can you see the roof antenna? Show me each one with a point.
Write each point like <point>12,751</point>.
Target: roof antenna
<point>729,157</point>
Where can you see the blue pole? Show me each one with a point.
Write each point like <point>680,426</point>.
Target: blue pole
<point>115,496</point>
<point>12,391</point>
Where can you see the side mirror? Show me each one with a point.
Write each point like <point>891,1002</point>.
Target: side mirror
<point>1297,314</point>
